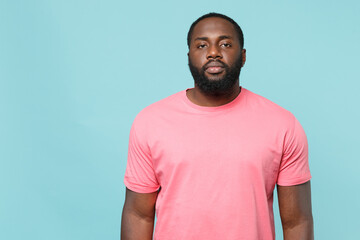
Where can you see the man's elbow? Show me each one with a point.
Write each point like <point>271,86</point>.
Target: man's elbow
<point>298,221</point>
<point>299,228</point>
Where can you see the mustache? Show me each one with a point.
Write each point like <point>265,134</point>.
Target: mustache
<point>219,62</point>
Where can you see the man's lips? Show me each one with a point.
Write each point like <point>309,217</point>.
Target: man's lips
<point>214,67</point>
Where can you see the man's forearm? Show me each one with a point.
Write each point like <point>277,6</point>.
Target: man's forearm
<point>301,231</point>
<point>135,227</point>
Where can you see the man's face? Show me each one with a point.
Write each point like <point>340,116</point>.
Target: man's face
<point>215,55</point>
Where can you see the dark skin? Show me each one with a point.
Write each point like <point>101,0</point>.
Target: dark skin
<point>295,211</point>
<point>215,38</point>
<point>138,216</point>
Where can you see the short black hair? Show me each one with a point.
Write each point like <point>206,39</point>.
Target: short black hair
<point>213,14</point>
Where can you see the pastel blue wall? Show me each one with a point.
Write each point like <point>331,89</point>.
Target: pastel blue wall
<point>73,75</point>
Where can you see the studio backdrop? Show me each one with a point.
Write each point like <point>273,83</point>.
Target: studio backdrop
<point>74,74</point>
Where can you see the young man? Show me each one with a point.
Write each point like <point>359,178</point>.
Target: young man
<point>206,159</point>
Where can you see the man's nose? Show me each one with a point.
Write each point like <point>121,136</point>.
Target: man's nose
<point>213,52</point>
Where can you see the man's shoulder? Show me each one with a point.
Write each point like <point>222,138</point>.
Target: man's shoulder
<point>160,107</point>
<point>164,104</point>
<point>267,107</point>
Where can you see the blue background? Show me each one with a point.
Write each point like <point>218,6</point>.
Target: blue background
<point>73,75</point>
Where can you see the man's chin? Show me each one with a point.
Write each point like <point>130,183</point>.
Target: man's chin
<point>214,77</point>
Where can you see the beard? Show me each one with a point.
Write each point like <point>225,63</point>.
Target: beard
<point>220,85</point>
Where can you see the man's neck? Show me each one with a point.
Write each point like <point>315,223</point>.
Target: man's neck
<point>196,96</point>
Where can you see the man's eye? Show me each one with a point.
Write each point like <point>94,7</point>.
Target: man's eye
<point>201,46</point>
<point>226,44</point>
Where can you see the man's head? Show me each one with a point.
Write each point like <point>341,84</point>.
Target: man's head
<point>216,53</point>
<point>212,14</point>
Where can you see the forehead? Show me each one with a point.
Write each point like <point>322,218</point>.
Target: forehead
<point>212,27</point>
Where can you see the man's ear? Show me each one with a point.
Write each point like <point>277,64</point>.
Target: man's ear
<point>243,55</point>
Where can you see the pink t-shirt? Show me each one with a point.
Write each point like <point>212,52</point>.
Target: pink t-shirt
<point>217,166</point>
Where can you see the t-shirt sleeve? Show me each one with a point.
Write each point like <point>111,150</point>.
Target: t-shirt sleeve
<point>294,165</point>
<point>139,174</point>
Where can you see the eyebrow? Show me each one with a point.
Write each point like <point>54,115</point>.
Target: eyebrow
<point>221,37</point>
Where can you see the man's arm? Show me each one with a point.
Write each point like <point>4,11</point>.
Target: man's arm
<point>296,212</point>
<point>138,215</point>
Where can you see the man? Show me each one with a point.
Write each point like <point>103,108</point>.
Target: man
<point>206,159</point>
